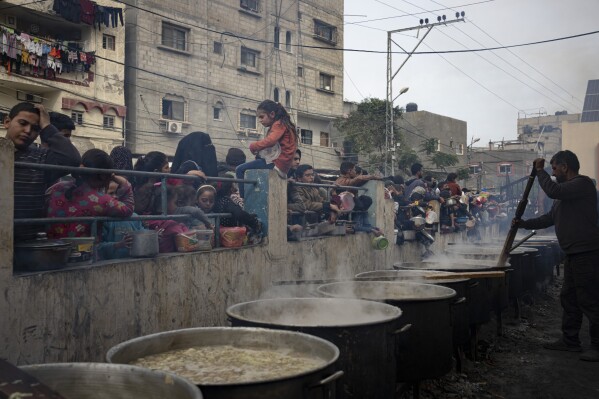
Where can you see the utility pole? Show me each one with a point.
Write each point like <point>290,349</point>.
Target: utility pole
<point>389,114</point>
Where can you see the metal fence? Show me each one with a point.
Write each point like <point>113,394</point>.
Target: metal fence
<point>94,220</point>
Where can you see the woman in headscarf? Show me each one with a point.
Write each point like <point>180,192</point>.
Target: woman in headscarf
<point>121,158</point>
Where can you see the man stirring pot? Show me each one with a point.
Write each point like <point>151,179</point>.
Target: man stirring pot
<point>574,215</point>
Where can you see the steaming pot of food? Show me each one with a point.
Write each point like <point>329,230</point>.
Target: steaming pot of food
<point>460,321</point>
<point>479,297</point>
<point>239,363</point>
<point>101,380</point>
<point>364,331</point>
<point>426,351</point>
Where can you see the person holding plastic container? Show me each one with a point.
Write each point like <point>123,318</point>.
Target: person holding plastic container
<point>277,149</point>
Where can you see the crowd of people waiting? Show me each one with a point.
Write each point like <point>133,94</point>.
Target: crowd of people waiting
<point>53,193</point>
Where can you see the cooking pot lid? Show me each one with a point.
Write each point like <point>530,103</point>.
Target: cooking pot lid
<point>42,243</point>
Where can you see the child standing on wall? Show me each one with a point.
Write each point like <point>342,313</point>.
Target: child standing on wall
<point>277,149</point>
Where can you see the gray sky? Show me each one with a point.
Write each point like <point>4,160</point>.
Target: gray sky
<point>437,86</point>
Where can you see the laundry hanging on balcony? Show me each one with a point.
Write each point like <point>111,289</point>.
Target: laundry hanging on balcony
<point>26,54</point>
<point>89,12</point>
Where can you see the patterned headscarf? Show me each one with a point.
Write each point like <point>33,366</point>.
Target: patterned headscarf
<point>121,158</point>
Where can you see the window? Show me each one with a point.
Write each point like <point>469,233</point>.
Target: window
<point>174,36</point>
<point>251,5</point>
<point>108,42</point>
<point>108,122</point>
<point>247,120</point>
<point>217,111</point>
<point>288,41</point>
<point>474,169</point>
<point>276,95</point>
<point>306,136</point>
<point>287,99</point>
<point>173,108</point>
<point>326,82</point>
<point>277,34</point>
<point>77,117</point>
<point>325,31</point>
<point>249,58</point>
<point>217,48</point>
<point>505,169</point>
<point>300,71</point>
<point>459,150</point>
<point>324,139</point>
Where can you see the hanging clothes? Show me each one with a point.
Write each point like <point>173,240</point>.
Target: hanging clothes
<point>88,12</point>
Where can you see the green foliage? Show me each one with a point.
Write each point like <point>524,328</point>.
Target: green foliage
<point>442,160</point>
<point>365,128</point>
<point>405,159</point>
<point>463,173</point>
<point>429,146</point>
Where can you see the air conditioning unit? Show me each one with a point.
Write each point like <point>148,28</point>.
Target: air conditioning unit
<point>174,127</point>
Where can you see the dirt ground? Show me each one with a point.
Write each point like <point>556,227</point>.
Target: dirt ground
<point>515,365</point>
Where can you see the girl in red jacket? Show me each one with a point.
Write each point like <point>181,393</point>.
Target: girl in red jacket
<point>280,139</point>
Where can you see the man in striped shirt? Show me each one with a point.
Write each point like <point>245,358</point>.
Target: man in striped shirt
<point>24,123</point>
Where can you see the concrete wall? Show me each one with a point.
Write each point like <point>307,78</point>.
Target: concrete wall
<point>582,138</point>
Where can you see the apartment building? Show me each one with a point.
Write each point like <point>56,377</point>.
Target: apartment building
<point>206,65</point>
<point>542,133</point>
<point>61,58</point>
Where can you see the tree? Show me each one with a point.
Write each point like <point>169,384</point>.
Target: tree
<point>365,128</point>
<point>463,173</point>
<point>440,159</point>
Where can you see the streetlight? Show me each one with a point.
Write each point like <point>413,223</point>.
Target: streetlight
<point>391,140</point>
<point>402,91</point>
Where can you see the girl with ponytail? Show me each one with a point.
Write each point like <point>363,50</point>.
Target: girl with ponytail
<point>281,133</point>
<point>86,196</point>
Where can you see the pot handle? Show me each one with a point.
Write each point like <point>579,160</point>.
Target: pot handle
<point>459,301</point>
<point>402,330</point>
<point>335,376</point>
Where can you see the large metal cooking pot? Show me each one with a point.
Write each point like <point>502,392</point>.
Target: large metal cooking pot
<point>427,350</point>
<point>101,380</point>
<point>479,298</point>
<point>460,321</point>
<point>521,265</point>
<point>544,265</point>
<point>41,254</point>
<point>364,331</point>
<point>315,383</point>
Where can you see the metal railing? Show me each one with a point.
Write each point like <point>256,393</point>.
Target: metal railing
<point>335,186</point>
<point>94,220</point>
